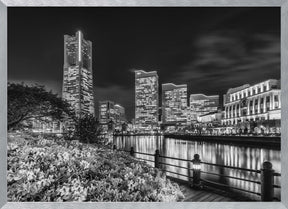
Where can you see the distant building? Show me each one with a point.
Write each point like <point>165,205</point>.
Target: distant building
<point>211,119</point>
<point>106,112</point>
<point>120,116</point>
<point>111,115</point>
<point>201,104</point>
<point>146,100</point>
<point>77,75</point>
<point>259,102</point>
<point>46,125</point>
<point>174,104</point>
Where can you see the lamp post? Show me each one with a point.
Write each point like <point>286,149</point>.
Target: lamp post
<point>196,166</point>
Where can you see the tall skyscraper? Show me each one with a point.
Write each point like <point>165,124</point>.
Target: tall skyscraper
<point>174,104</point>
<point>201,104</point>
<point>146,100</point>
<point>77,76</point>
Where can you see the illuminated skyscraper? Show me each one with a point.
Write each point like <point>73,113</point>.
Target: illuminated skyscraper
<point>201,104</point>
<point>77,76</point>
<point>174,104</point>
<point>146,100</point>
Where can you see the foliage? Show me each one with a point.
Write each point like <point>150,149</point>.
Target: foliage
<point>33,102</point>
<point>87,129</point>
<point>57,170</point>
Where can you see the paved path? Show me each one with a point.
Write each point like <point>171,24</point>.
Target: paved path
<point>207,194</point>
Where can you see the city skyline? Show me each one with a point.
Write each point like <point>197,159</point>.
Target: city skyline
<point>199,52</point>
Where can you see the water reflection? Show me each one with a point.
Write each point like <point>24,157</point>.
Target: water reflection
<point>223,154</point>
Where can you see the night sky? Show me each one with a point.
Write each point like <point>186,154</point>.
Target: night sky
<point>210,49</point>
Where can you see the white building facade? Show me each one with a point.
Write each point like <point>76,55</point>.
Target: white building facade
<point>259,102</point>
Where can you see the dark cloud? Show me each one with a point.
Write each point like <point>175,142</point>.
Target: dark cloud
<point>226,59</point>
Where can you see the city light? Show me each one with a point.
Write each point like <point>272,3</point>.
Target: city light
<point>79,45</point>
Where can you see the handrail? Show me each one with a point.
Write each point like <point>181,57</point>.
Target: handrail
<point>223,185</point>
<point>173,158</point>
<point>212,164</point>
<point>232,167</point>
<point>177,173</point>
<point>232,177</point>
<point>145,159</point>
<point>276,186</point>
<point>158,163</point>
<point>142,153</point>
<point>175,166</point>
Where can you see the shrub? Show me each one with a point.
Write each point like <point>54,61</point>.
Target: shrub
<point>59,170</point>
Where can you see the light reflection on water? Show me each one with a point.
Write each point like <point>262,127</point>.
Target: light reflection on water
<point>223,154</point>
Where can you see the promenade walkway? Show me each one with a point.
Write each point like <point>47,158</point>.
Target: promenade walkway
<point>207,194</point>
<point>204,195</point>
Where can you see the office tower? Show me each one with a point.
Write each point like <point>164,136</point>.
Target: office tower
<point>77,77</point>
<point>174,104</point>
<point>146,100</point>
<point>111,114</point>
<point>120,116</point>
<point>201,104</point>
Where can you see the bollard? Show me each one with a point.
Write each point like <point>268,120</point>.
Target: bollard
<point>114,147</point>
<point>132,153</point>
<point>196,171</point>
<point>156,159</point>
<point>267,181</point>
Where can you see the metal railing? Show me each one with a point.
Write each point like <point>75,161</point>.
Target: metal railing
<point>266,179</point>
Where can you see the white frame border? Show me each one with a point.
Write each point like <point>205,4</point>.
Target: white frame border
<point>135,3</point>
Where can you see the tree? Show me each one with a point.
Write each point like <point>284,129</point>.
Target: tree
<point>34,102</point>
<point>87,129</point>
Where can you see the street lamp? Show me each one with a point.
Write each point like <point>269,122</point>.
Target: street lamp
<point>196,166</point>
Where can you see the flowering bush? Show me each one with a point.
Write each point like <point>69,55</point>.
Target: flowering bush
<point>59,170</point>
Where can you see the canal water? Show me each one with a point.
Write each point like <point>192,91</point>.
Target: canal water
<point>210,152</point>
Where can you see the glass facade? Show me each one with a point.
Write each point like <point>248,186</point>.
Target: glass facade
<point>174,104</point>
<point>109,112</point>
<point>77,75</point>
<point>146,100</point>
<point>201,104</point>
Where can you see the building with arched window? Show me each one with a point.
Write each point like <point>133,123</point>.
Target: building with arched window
<point>248,103</point>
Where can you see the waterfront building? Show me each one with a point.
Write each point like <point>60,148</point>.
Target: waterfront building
<point>77,74</point>
<point>258,102</point>
<point>146,101</point>
<point>174,104</point>
<point>201,104</point>
<point>211,119</point>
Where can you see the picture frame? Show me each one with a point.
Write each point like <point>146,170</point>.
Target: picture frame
<point>4,4</point>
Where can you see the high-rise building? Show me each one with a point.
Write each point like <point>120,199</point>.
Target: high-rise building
<point>259,102</point>
<point>111,114</point>
<point>201,104</point>
<point>146,100</point>
<point>106,112</point>
<point>120,116</point>
<point>174,104</point>
<point>77,77</point>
